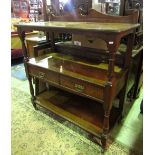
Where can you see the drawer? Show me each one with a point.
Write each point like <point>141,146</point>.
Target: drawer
<point>82,87</point>
<point>44,74</point>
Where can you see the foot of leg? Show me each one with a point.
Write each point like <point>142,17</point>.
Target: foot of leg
<point>120,119</point>
<point>34,104</point>
<point>104,139</point>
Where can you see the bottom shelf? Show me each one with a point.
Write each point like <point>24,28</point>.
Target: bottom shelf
<point>86,113</point>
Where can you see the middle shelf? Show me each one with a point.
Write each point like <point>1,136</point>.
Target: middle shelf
<point>82,77</point>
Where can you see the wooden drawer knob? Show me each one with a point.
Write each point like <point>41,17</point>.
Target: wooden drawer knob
<point>79,87</point>
<point>41,75</point>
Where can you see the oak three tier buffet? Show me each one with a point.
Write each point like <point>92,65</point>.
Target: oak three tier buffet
<point>81,83</point>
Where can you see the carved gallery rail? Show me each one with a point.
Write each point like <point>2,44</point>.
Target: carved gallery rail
<point>97,83</point>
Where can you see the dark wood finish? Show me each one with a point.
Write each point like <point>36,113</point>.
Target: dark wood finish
<point>122,7</point>
<point>92,54</point>
<point>80,77</point>
<point>94,16</point>
<point>37,48</point>
<point>82,87</point>
<point>30,45</point>
<point>45,17</point>
<point>70,107</point>
<point>43,74</point>
<point>80,27</point>
<point>26,59</point>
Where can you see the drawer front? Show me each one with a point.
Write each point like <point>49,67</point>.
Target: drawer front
<point>44,74</point>
<point>82,87</point>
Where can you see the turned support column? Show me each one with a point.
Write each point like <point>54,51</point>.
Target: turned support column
<point>127,65</point>
<point>107,105</point>
<point>52,41</point>
<point>112,45</point>
<point>128,56</point>
<point>26,59</point>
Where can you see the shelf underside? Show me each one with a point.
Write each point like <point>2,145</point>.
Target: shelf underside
<point>83,112</point>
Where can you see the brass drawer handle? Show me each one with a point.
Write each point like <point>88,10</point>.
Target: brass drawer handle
<point>41,75</point>
<point>79,88</point>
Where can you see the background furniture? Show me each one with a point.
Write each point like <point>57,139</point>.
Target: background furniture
<point>20,8</point>
<point>113,7</point>
<point>35,9</point>
<point>16,47</point>
<point>33,41</point>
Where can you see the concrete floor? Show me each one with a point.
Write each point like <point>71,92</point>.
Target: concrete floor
<point>130,131</point>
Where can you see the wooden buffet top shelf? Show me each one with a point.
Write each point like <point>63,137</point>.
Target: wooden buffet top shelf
<point>86,26</point>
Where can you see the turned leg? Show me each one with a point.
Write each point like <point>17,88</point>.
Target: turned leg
<point>107,105</point>
<point>33,103</point>
<point>26,59</point>
<point>30,85</point>
<point>31,90</point>
<point>32,93</point>
<point>36,86</point>
<point>104,136</point>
